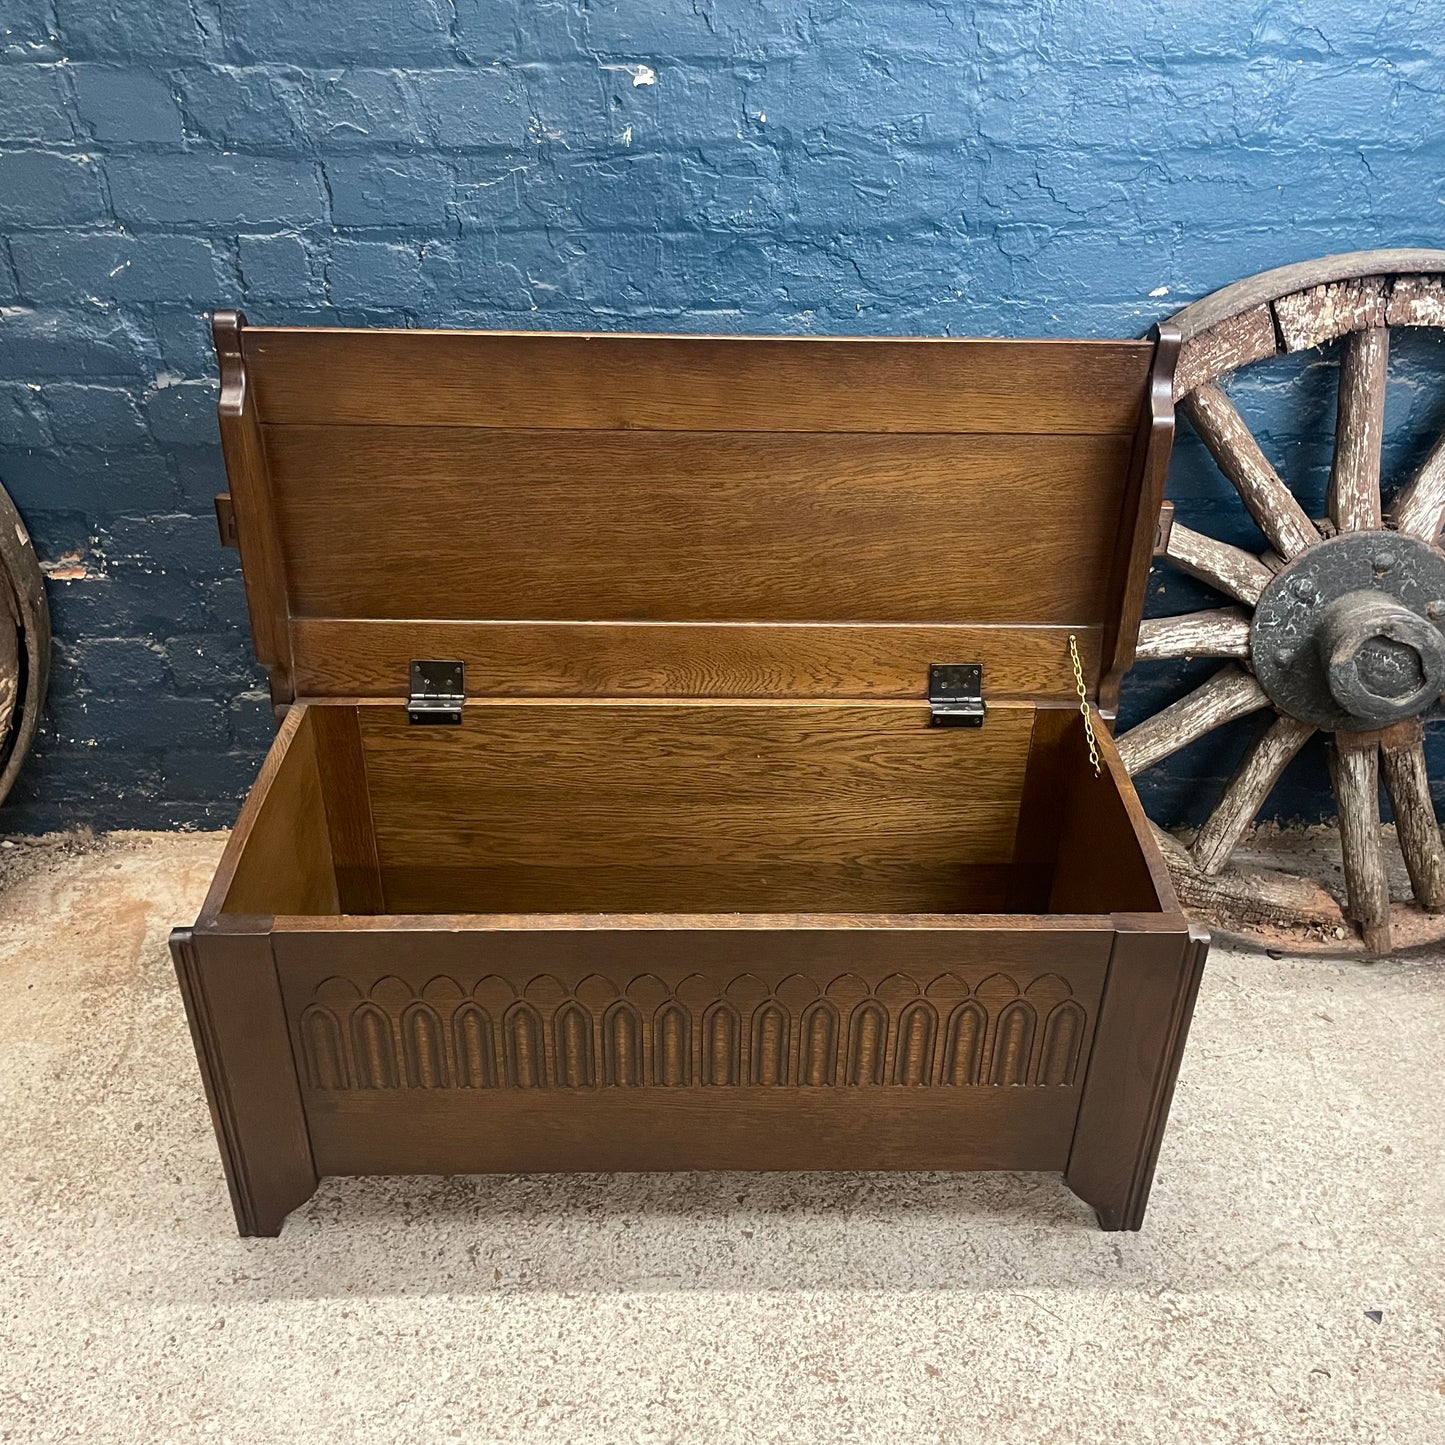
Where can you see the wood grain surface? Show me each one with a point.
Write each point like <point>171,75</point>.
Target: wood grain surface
<point>1104,861</point>
<point>692,807</point>
<point>368,1006</point>
<point>1231,443</point>
<point>520,478</point>
<point>1416,301</point>
<point>238,1025</point>
<point>1231,693</point>
<point>1083,845</point>
<point>1301,276</point>
<point>279,858</point>
<point>1407,780</point>
<point>1141,512</point>
<point>660,807</point>
<point>1226,568</point>
<point>1251,783</point>
<point>502,379</point>
<point>697,584</point>
<point>760,1128</point>
<point>339,657</point>
<point>1419,508</point>
<point>1311,317</point>
<point>248,471</point>
<point>1355,772</point>
<point>1221,632</point>
<point>1232,343</point>
<point>341,770</point>
<point>687,526</point>
<point>1354,491</point>
<point>1139,1042</point>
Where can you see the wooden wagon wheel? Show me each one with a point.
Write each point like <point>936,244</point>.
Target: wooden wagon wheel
<point>1333,628</point>
<point>24,643</point>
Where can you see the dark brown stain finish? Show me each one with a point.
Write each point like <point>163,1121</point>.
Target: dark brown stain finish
<point>693,884</point>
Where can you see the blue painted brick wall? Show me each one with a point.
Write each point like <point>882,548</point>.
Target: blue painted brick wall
<point>1004,167</point>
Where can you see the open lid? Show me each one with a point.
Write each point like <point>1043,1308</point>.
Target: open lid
<point>613,515</point>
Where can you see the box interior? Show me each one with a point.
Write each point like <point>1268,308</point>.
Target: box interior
<point>569,806</point>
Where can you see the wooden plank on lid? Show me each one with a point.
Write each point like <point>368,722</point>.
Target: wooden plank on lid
<point>695,383</point>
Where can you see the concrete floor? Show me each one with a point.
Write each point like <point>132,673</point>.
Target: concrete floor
<point>1300,1186</point>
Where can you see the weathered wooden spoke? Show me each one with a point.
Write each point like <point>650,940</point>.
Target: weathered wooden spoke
<point>1402,759</point>
<point>1221,633</point>
<point>1339,627</point>
<point>1260,903</point>
<point>1247,790</point>
<point>1232,445</point>
<point>1229,694</point>
<point>1355,769</point>
<point>1354,498</point>
<point>1419,510</point>
<point>1227,569</point>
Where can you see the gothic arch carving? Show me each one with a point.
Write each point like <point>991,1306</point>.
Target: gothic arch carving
<point>721,1045</point>
<point>622,1045</point>
<point>770,1044</point>
<point>1007,1031</point>
<point>572,1047</point>
<point>672,1046</point>
<point>913,1055</point>
<point>423,1048</point>
<point>373,1048</point>
<point>322,1048</point>
<point>1063,1040</point>
<point>963,1049</point>
<point>818,1045</point>
<point>867,1043</point>
<point>526,1060</point>
<point>474,1047</point>
<point>1013,1044</point>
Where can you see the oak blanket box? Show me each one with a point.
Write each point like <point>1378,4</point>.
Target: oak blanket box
<point>681,761</point>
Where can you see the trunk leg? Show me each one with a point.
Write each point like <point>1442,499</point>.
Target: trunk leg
<point>1143,1022</point>
<point>238,1023</point>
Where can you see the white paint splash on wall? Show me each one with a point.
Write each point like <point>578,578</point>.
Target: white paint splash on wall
<point>641,74</point>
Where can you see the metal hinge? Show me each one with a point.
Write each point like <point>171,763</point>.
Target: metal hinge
<point>955,694</point>
<point>438,692</point>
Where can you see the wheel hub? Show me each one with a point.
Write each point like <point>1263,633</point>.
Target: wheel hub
<point>1346,635</point>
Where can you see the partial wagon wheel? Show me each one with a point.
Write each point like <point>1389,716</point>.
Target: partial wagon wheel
<point>24,643</point>
<point>1336,627</point>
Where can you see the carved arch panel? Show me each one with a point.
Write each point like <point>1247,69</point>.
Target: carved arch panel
<point>732,1032</point>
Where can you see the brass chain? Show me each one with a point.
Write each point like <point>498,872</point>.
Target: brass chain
<point>1083,691</point>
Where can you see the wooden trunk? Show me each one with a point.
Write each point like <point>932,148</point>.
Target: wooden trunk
<point>693,881</point>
